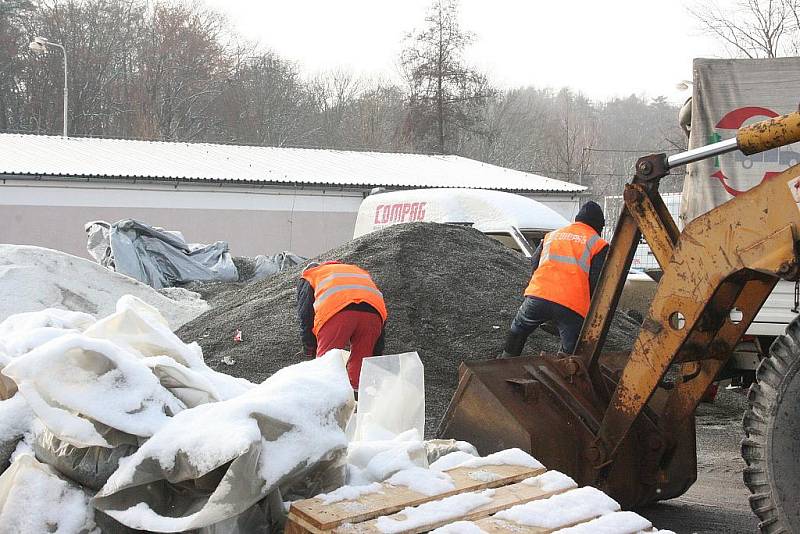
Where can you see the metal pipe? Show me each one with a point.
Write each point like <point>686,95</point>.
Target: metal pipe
<point>39,45</point>
<point>703,152</point>
<point>66,87</point>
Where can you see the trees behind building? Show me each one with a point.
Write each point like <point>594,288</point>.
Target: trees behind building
<point>177,72</point>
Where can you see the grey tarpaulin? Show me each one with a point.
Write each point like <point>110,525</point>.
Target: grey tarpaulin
<point>269,265</point>
<point>88,466</point>
<point>157,257</point>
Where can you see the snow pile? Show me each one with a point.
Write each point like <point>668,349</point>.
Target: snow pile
<point>15,422</point>
<point>449,461</point>
<point>435,511</point>
<point>460,527</point>
<point>561,510</point>
<point>423,481</point>
<point>375,461</point>
<point>121,405</point>
<point>34,278</point>
<point>551,482</point>
<point>505,457</point>
<point>33,498</point>
<point>613,523</point>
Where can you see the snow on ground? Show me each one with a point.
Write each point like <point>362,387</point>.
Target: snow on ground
<point>35,278</point>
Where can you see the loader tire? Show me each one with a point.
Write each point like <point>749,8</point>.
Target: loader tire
<point>771,447</point>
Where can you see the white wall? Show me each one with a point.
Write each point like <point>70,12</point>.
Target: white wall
<point>252,220</point>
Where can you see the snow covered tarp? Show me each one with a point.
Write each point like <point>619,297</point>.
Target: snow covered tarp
<point>33,279</point>
<point>280,431</point>
<point>122,405</point>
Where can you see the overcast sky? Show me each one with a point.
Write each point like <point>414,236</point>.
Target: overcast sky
<point>602,48</point>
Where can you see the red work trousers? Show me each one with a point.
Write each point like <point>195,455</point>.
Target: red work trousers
<point>361,329</point>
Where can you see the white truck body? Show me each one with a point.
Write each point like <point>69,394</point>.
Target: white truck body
<point>516,221</point>
<point>727,94</point>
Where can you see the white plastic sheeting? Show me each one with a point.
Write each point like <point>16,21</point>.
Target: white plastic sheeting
<point>391,397</point>
<point>123,406</point>
<point>281,430</point>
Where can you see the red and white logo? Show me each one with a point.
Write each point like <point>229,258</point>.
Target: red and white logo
<point>749,171</point>
<point>400,212</point>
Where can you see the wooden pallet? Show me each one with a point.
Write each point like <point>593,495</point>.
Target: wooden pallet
<point>363,514</point>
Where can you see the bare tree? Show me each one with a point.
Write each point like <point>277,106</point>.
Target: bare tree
<point>265,103</point>
<point>12,41</point>
<point>334,95</point>
<point>443,91</point>
<point>183,69</point>
<point>753,28</point>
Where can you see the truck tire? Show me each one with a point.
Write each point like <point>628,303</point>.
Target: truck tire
<point>771,447</point>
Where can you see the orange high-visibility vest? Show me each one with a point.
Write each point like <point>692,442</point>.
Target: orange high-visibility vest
<point>336,286</point>
<point>563,273</point>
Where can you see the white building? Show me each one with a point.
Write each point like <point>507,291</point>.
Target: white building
<point>261,200</point>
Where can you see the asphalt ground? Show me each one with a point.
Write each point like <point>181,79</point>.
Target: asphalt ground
<point>717,502</point>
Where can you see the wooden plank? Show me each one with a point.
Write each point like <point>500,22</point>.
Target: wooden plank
<point>491,525</point>
<point>500,526</point>
<point>504,497</point>
<point>324,517</point>
<point>295,525</point>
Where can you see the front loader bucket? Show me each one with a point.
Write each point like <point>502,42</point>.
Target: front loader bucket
<point>528,402</point>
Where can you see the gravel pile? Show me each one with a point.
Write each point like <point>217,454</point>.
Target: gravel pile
<point>451,293</point>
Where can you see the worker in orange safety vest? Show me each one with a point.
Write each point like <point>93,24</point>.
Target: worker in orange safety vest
<point>566,268</point>
<point>339,305</point>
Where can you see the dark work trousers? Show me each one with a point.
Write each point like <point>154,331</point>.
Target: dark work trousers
<point>360,329</point>
<point>533,313</point>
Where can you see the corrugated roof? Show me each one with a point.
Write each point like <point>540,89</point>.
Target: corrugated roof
<point>44,155</point>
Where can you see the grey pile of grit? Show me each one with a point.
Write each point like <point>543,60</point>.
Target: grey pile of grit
<point>451,293</point>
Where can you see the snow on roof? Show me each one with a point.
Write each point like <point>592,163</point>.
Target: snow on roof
<point>43,155</point>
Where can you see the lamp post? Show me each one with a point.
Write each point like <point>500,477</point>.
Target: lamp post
<point>39,45</point>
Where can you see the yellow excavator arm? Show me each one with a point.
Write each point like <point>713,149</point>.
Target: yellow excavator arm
<point>624,422</point>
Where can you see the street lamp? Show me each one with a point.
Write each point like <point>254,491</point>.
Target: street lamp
<point>39,46</point>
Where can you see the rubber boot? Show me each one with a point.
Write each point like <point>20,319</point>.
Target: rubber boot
<point>514,344</point>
